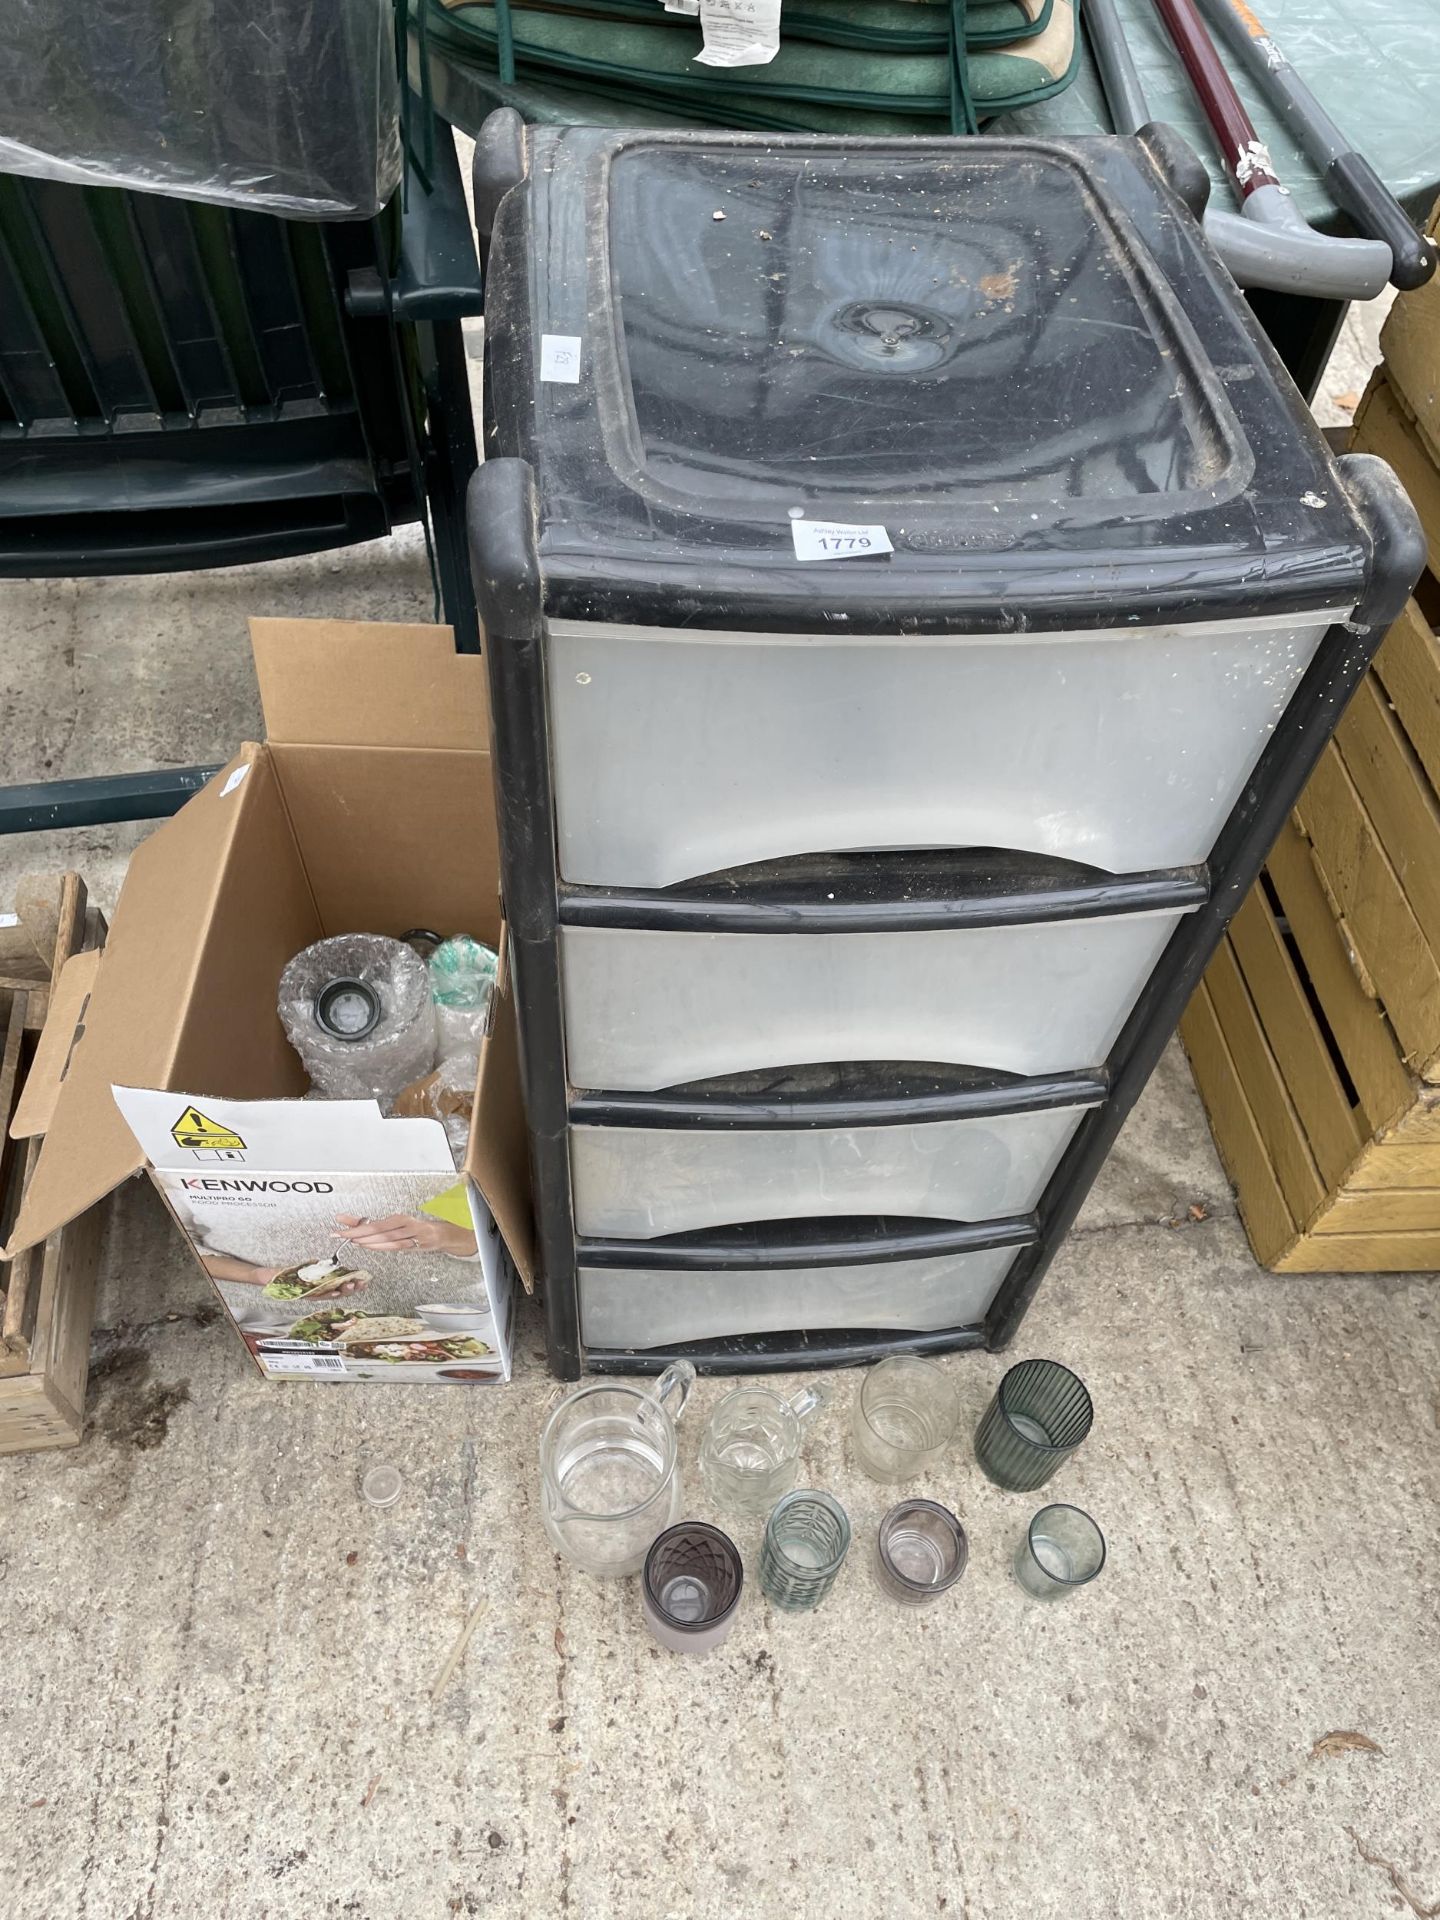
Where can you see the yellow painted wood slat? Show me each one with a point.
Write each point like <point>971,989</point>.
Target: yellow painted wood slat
<point>1360,1252</point>
<point>1410,343</point>
<point>1420,1124</point>
<point>1408,664</point>
<point>1388,1210</point>
<point>1301,1053</point>
<point>1367,1046</point>
<point>1382,427</point>
<point>1379,917</point>
<point>1396,1163</point>
<point>1285,1144</point>
<point>1267,1219</point>
<point>1398,797</point>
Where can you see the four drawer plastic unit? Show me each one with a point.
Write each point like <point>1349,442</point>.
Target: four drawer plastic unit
<point>914,596</point>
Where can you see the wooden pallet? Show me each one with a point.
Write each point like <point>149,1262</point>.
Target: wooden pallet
<point>49,1291</point>
<point>1315,1034</point>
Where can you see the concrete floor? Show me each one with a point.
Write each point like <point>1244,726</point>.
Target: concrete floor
<point>220,1659</point>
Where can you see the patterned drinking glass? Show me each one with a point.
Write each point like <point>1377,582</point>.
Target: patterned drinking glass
<point>1063,1550</point>
<point>920,1551</point>
<point>806,1540</point>
<point>691,1587</point>
<point>1040,1414</point>
<point>905,1415</point>
<point>750,1455</point>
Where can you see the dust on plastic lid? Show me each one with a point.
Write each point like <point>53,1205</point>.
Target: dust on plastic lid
<point>382,1486</point>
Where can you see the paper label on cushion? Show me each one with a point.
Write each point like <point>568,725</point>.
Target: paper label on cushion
<point>739,33</point>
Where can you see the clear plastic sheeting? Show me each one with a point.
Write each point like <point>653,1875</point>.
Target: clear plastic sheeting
<point>286,106</point>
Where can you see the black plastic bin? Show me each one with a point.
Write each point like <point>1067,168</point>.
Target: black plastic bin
<point>915,595</point>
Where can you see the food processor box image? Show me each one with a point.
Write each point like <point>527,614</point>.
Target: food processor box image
<point>344,1244</point>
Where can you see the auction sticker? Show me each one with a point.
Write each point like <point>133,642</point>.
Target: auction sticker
<point>560,358</point>
<point>834,540</point>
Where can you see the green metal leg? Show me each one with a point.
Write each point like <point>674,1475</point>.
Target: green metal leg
<point>450,460</point>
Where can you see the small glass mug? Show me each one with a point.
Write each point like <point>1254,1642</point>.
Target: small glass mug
<point>905,1416</point>
<point>750,1454</point>
<point>806,1540</point>
<point>610,1470</point>
<point>1062,1551</point>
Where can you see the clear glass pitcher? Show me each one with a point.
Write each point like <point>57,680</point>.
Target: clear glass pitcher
<point>751,1451</point>
<point>610,1470</point>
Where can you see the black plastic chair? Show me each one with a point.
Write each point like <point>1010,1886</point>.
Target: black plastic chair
<point>191,386</point>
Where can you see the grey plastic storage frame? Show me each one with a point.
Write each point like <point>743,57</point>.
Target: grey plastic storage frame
<point>1347,563</point>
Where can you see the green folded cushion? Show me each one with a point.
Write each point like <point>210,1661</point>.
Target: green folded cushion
<point>1000,23</point>
<point>901,26</point>
<point>657,61</point>
<point>550,102</point>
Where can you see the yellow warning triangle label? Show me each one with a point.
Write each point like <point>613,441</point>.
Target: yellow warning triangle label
<point>193,1130</point>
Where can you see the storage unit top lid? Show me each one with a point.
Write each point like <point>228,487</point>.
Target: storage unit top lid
<point>1018,357</point>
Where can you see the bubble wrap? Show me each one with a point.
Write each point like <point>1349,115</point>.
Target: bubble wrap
<point>400,1048</point>
<point>462,979</point>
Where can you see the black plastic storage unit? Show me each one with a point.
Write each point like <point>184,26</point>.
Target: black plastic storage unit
<point>852,899</point>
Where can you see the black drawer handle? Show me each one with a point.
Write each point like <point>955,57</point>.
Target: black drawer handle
<point>900,1094</point>
<point>806,1243</point>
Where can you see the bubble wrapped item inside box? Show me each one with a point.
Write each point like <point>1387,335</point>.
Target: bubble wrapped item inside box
<point>357,1009</point>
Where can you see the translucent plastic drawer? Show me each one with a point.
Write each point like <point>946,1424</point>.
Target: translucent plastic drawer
<point>633,1183</point>
<point>640,1308</point>
<point>680,752</point>
<point>646,1010</point>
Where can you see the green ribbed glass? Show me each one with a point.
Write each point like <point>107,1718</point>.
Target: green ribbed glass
<point>1039,1416</point>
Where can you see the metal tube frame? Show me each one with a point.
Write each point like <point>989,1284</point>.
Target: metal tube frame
<point>41,806</point>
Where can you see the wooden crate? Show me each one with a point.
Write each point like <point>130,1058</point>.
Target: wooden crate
<point>1410,343</point>
<point>49,1291</point>
<point>1315,1034</point>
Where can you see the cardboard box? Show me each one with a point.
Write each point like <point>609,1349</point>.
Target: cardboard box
<point>367,809</point>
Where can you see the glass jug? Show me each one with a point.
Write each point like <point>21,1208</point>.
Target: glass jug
<point>610,1471</point>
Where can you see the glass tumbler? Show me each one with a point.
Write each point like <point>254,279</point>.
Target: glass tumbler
<point>1063,1550</point>
<point>691,1588</point>
<point>905,1416</point>
<point>920,1551</point>
<point>1040,1414</point>
<point>750,1455</point>
<point>806,1540</point>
